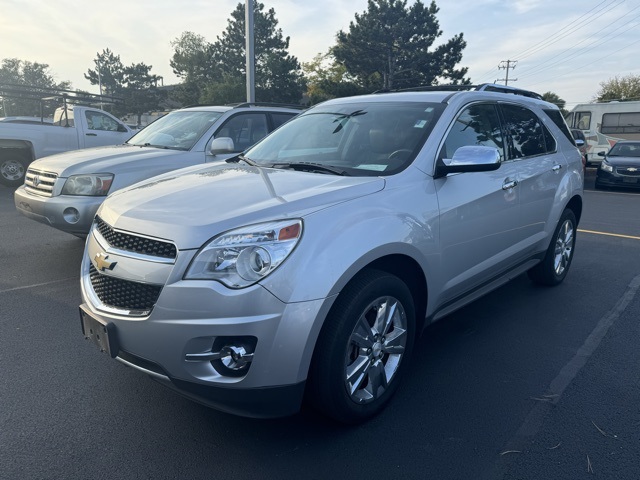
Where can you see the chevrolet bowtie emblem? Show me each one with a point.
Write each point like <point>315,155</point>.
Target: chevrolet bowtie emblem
<point>632,169</point>
<point>102,262</point>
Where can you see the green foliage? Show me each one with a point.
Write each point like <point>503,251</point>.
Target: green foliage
<point>192,61</point>
<point>216,72</point>
<point>15,72</point>
<point>135,86</point>
<point>326,79</point>
<point>390,46</point>
<point>622,89</point>
<point>556,100</point>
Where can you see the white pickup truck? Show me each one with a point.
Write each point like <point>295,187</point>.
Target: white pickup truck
<point>74,127</point>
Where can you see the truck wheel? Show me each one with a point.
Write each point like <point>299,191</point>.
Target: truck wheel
<point>12,171</point>
<point>364,348</point>
<point>556,262</point>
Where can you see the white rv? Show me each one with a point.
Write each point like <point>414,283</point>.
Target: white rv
<point>603,124</point>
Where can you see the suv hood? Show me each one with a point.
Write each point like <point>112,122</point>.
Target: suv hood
<point>105,159</point>
<point>190,208</point>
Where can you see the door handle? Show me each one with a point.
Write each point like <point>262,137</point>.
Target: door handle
<point>509,184</point>
<point>556,168</point>
<point>91,134</point>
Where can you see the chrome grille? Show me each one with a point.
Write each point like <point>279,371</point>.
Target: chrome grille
<point>134,243</point>
<point>629,171</point>
<point>40,182</point>
<point>136,298</point>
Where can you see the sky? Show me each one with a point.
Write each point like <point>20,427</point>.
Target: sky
<point>567,47</point>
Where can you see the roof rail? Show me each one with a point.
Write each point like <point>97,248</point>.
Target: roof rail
<point>265,104</point>
<point>492,87</point>
<point>248,104</point>
<point>429,88</point>
<point>484,87</point>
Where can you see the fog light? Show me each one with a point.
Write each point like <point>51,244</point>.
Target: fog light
<point>230,356</point>
<point>71,215</point>
<point>235,358</point>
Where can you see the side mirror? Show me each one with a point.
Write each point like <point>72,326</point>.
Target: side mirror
<point>470,158</point>
<point>579,143</point>
<point>602,154</point>
<point>122,128</point>
<point>221,145</point>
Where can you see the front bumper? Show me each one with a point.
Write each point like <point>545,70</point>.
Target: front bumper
<point>612,179</point>
<point>71,214</point>
<point>187,319</point>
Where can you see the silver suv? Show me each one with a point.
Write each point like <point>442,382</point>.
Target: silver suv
<point>65,190</point>
<point>307,267</point>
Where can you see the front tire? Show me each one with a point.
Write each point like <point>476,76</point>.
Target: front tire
<point>555,265</point>
<point>363,348</point>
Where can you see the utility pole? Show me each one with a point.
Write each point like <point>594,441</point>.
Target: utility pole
<point>506,65</point>
<point>251,66</point>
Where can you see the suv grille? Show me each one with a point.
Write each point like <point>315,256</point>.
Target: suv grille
<point>124,294</point>
<point>40,182</point>
<point>133,243</point>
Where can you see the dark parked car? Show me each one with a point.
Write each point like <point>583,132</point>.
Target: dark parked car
<point>620,166</point>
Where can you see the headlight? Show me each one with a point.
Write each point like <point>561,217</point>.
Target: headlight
<point>96,185</point>
<point>606,167</point>
<point>244,256</point>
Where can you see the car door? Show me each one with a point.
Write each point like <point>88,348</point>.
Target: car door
<point>103,130</point>
<point>478,210</point>
<point>533,149</point>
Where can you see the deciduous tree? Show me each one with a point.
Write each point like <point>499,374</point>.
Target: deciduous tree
<point>15,73</point>
<point>556,100</point>
<point>622,89</point>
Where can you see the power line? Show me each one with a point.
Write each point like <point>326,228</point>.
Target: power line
<point>587,48</point>
<point>559,35</point>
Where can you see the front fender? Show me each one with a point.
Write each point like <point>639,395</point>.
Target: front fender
<point>341,240</point>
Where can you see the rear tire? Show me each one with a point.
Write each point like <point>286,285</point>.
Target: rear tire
<point>12,170</point>
<point>363,348</point>
<point>555,265</point>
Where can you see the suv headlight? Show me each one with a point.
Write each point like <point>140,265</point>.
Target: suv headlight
<point>244,256</point>
<point>606,167</point>
<point>96,185</point>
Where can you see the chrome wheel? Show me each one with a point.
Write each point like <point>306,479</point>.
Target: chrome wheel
<point>364,347</point>
<point>11,172</point>
<point>375,349</point>
<point>564,247</point>
<point>557,260</point>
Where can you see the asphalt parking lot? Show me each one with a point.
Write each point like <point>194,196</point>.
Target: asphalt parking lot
<point>526,383</point>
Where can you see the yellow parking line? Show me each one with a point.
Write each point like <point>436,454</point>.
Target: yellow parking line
<point>609,234</point>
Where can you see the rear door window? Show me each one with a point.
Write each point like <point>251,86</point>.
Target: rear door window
<point>527,136</point>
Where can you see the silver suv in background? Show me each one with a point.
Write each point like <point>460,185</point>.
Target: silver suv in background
<point>65,190</point>
<point>307,267</point>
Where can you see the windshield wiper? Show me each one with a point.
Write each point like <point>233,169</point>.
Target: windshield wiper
<point>246,160</point>
<point>310,167</point>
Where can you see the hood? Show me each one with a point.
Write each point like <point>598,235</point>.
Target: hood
<point>190,208</point>
<point>104,159</point>
<point>623,161</point>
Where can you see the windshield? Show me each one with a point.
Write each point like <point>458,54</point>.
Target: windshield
<point>625,150</point>
<point>359,139</point>
<point>178,130</point>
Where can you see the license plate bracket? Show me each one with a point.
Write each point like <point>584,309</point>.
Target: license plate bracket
<point>629,180</point>
<point>103,335</point>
